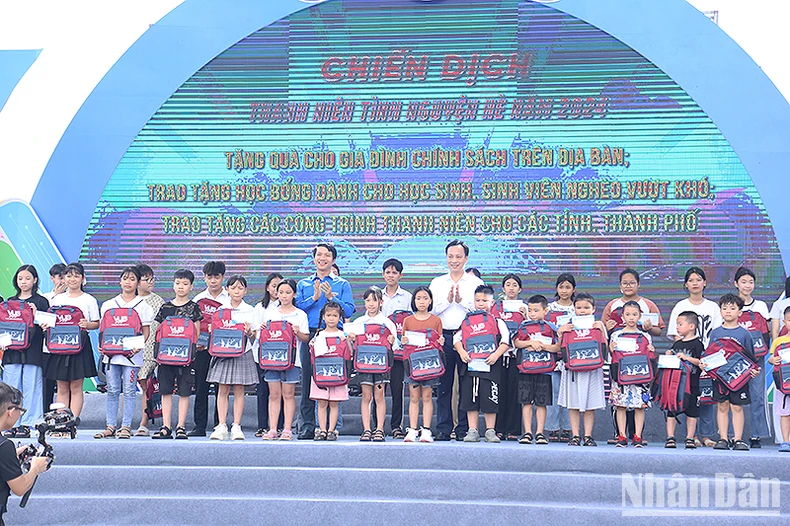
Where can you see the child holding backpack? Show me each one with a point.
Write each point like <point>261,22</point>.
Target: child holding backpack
<point>122,368</point>
<point>421,321</point>
<point>174,376</point>
<point>689,349</point>
<point>70,370</point>
<point>329,397</point>
<point>373,384</point>
<point>582,389</point>
<point>22,368</point>
<point>627,394</point>
<point>145,290</point>
<point>232,372</point>
<point>282,384</point>
<point>780,347</point>
<point>557,421</point>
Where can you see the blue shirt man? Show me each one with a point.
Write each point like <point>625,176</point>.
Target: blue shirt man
<point>312,293</point>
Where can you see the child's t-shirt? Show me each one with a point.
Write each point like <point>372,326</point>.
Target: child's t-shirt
<point>709,315</point>
<point>84,302</point>
<point>760,307</point>
<point>379,319</point>
<point>146,314</point>
<point>555,306</point>
<point>189,310</point>
<point>693,348</point>
<point>738,333</point>
<point>413,324</point>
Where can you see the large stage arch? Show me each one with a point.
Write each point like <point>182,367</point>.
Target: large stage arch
<point>623,117</point>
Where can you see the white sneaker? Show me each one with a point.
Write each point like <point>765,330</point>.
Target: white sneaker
<point>472,435</point>
<point>426,435</point>
<point>411,435</point>
<point>491,436</point>
<point>236,433</point>
<point>220,432</point>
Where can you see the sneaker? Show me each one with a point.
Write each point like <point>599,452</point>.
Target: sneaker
<point>784,447</point>
<point>472,435</point>
<point>236,433</point>
<point>637,442</point>
<point>426,435</point>
<point>754,443</point>
<point>491,436</point>
<point>220,432</point>
<point>411,435</point>
<point>270,435</point>
<point>621,441</point>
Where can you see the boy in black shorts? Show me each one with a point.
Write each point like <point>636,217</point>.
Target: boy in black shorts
<point>731,306</point>
<point>536,389</point>
<point>689,349</point>
<point>173,377</point>
<point>480,388</point>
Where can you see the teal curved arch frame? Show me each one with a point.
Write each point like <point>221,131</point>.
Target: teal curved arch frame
<point>706,63</point>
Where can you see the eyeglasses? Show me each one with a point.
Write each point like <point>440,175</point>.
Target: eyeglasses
<point>21,409</point>
<point>628,283</point>
<point>149,280</point>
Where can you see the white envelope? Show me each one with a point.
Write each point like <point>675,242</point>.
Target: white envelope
<point>243,317</point>
<point>546,340</point>
<point>320,347</point>
<point>45,318</point>
<point>714,360</point>
<point>5,340</point>
<point>626,345</point>
<point>479,366</point>
<point>416,338</point>
<point>652,316</point>
<point>133,343</point>
<point>668,361</point>
<point>583,322</point>
<point>565,318</point>
<point>354,328</point>
<point>785,355</point>
<point>513,305</point>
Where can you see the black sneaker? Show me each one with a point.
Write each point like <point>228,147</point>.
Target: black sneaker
<point>441,437</point>
<point>197,433</point>
<point>621,442</point>
<point>754,443</point>
<point>459,437</point>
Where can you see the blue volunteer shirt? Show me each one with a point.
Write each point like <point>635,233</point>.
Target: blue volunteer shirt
<point>305,301</point>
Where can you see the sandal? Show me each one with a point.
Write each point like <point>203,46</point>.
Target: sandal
<point>365,436</point>
<point>181,433</point>
<point>512,437</point>
<point>260,432</point>
<point>378,435</point>
<point>740,445</point>
<point>671,443</point>
<point>398,434</point>
<point>588,441</point>
<point>164,432</point>
<point>691,443</point>
<point>722,444</point>
<point>565,435</point>
<point>554,436</point>
<point>320,435</point>
<point>287,434</point>
<point>331,436</point>
<point>575,440</point>
<point>109,432</point>
<point>540,439</point>
<point>526,438</point>
<point>142,431</point>
<point>707,442</point>
<point>125,432</point>
<point>270,435</point>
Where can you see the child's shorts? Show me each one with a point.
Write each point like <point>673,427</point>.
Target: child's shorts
<point>739,397</point>
<point>479,394</point>
<point>428,383</point>
<point>173,376</point>
<point>692,407</point>
<point>534,389</point>
<point>337,393</point>
<point>781,403</point>
<point>373,379</point>
<point>290,376</point>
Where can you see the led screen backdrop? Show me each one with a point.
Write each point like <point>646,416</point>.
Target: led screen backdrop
<point>542,141</point>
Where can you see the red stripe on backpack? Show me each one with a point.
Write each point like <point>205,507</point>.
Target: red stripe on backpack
<point>208,308</point>
<point>398,317</point>
<point>633,367</point>
<point>536,362</point>
<point>175,341</point>
<point>782,371</point>
<point>65,337</point>
<point>228,339</point>
<point>331,368</point>
<point>480,334</point>
<point>583,349</point>
<point>736,373</point>
<point>16,320</point>
<point>117,324</point>
<point>277,351</point>
<point>373,351</point>
<point>426,362</point>
<point>758,328</point>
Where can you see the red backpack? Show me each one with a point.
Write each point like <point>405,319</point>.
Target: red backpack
<point>633,367</point>
<point>117,324</point>
<point>66,336</point>
<point>480,334</point>
<point>512,319</point>
<point>277,350</point>
<point>736,373</point>
<point>208,308</point>
<point>331,369</point>
<point>758,328</point>
<point>674,388</point>
<point>426,362</point>
<point>228,339</point>
<point>536,362</point>
<point>373,353</point>
<point>175,341</point>
<point>616,315</point>
<point>397,318</point>
<point>782,371</point>
<point>583,349</point>
<point>16,320</point>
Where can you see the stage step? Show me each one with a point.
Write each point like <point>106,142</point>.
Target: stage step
<point>93,417</point>
<point>347,482</point>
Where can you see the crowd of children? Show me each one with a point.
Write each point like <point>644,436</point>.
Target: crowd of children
<point>551,360</point>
